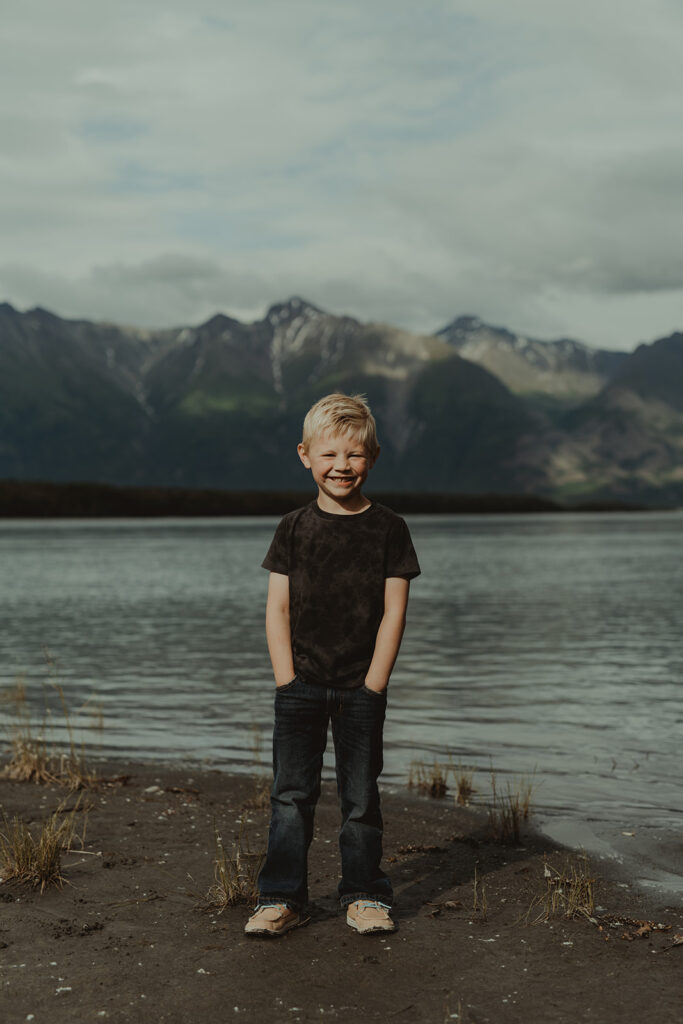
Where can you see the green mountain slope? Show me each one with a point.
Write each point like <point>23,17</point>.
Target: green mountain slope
<point>627,441</point>
<point>66,410</point>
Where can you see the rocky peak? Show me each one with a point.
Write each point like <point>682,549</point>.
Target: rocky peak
<point>654,372</point>
<point>465,327</point>
<point>566,369</point>
<point>291,309</point>
<point>39,313</point>
<point>218,324</point>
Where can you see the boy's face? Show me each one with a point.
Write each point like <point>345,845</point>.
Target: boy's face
<point>340,466</point>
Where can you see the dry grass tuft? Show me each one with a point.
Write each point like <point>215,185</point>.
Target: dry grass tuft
<point>36,859</point>
<point>463,784</point>
<point>32,757</point>
<point>14,694</point>
<point>524,790</point>
<point>429,779</point>
<point>260,798</point>
<point>507,812</point>
<point>30,760</point>
<point>433,779</point>
<point>235,873</point>
<point>570,892</point>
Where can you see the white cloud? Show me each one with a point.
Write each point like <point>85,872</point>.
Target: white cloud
<point>400,162</point>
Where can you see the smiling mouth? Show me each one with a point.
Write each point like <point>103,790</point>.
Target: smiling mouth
<point>341,479</point>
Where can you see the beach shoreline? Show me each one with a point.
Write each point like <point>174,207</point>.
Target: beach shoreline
<point>643,855</point>
<point>130,935</point>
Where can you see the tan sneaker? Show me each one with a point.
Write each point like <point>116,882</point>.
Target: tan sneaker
<point>271,920</point>
<point>369,917</point>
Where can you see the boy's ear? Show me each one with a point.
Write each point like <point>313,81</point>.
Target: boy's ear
<point>376,455</point>
<point>303,456</point>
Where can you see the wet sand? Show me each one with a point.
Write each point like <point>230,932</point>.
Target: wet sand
<point>130,938</point>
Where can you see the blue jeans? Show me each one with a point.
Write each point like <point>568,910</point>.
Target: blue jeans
<point>302,713</point>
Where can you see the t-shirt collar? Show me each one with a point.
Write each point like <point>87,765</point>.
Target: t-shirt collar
<point>340,515</point>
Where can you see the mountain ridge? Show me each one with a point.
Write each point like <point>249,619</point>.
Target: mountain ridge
<point>564,370</point>
<point>220,404</point>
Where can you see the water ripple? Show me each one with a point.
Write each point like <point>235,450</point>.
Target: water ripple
<point>534,642</point>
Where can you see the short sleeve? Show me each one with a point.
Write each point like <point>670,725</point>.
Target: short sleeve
<point>277,559</point>
<point>400,559</point>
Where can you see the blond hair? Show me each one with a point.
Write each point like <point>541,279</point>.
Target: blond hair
<point>342,414</point>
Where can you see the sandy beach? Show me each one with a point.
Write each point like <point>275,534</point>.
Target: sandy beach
<point>130,935</point>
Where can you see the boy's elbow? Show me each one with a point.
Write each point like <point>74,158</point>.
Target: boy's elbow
<point>277,611</point>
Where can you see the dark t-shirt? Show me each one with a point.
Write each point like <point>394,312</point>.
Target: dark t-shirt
<point>337,565</point>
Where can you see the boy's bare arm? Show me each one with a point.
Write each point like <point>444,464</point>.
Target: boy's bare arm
<point>390,632</point>
<point>278,633</point>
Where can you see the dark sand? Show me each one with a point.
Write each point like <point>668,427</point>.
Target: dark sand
<point>127,939</point>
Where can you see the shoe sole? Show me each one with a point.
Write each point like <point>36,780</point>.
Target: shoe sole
<point>370,931</point>
<point>268,933</point>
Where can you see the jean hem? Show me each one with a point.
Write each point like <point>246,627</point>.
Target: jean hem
<point>266,901</point>
<point>350,898</point>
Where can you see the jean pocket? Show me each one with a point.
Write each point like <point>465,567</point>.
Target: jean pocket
<point>378,694</point>
<point>286,686</point>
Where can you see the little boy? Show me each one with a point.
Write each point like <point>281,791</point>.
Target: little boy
<point>339,577</point>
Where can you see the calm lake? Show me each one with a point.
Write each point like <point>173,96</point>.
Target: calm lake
<point>546,643</point>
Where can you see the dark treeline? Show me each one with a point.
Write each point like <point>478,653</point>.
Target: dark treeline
<point>41,500</point>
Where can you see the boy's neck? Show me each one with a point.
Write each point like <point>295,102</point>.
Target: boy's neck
<point>357,503</point>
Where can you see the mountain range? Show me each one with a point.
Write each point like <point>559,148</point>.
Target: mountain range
<point>471,409</point>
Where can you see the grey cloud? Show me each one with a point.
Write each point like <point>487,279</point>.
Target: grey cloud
<point>175,290</point>
<point>393,162</point>
<point>163,292</point>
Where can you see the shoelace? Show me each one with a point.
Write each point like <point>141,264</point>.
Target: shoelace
<point>373,904</point>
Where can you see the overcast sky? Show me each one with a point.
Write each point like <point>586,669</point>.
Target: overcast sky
<point>521,160</point>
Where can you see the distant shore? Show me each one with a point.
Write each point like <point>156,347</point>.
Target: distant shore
<point>27,499</point>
